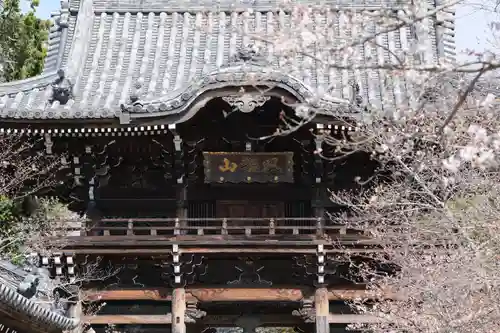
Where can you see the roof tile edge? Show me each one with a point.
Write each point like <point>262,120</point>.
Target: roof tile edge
<point>21,304</point>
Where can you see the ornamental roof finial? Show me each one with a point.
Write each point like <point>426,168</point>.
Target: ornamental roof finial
<point>62,88</point>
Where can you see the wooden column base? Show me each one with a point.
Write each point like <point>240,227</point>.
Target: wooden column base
<point>321,304</point>
<point>322,325</point>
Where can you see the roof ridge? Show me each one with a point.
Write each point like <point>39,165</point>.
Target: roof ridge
<point>39,81</point>
<point>80,41</point>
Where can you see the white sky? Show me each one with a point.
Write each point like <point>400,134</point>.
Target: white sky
<point>472,25</point>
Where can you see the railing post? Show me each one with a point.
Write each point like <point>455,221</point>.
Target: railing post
<point>177,226</point>
<point>272,230</point>
<point>105,232</point>
<point>319,226</point>
<point>224,226</point>
<point>130,227</point>
<point>343,230</point>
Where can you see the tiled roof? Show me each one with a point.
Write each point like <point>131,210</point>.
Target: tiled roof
<point>114,45</point>
<point>62,29</point>
<point>14,303</point>
<point>158,6</point>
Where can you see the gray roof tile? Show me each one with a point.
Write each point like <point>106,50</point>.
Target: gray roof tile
<point>172,59</point>
<point>225,5</point>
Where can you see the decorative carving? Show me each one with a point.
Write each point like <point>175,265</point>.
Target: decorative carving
<point>193,158</point>
<point>192,313</point>
<point>63,20</point>
<point>184,269</point>
<point>195,314</point>
<point>237,76</point>
<point>290,294</point>
<point>62,89</point>
<point>249,274</point>
<point>164,160</point>
<point>204,295</point>
<point>246,294</point>
<point>246,103</point>
<point>28,287</point>
<point>306,312</point>
<point>130,273</point>
<point>319,269</point>
<point>135,105</point>
<point>247,53</point>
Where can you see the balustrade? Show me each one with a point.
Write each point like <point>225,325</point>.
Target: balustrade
<point>210,226</point>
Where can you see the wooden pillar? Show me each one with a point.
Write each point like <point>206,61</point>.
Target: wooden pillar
<point>322,310</point>
<point>178,310</point>
<point>181,180</point>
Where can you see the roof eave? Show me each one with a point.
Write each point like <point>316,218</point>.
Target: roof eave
<point>20,304</point>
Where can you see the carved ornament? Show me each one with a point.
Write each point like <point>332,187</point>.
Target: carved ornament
<point>204,295</point>
<point>62,88</point>
<point>246,103</point>
<point>191,267</point>
<point>192,313</point>
<point>249,274</point>
<point>232,76</point>
<point>248,54</point>
<point>293,295</point>
<point>306,312</point>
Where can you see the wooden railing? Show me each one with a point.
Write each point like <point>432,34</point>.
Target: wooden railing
<point>211,226</point>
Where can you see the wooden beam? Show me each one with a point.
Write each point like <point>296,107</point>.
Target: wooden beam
<point>352,294</point>
<point>247,294</point>
<point>224,320</point>
<point>232,294</point>
<point>129,319</point>
<point>353,319</point>
<point>128,295</point>
<point>268,248</point>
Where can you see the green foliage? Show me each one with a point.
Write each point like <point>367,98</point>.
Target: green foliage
<point>7,212</point>
<point>23,40</point>
<point>10,218</point>
<point>20,232</point>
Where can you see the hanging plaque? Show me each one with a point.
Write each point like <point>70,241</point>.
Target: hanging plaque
<point>227,167</point>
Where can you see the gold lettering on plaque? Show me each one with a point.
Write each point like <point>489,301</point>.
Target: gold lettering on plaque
<point>249,164</point>
<point>271,165</point>
<point>228,166</point>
